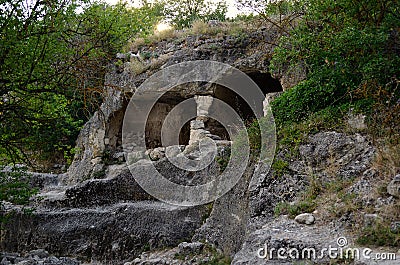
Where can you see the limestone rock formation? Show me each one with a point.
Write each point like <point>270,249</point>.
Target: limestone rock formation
<point>98,213</point>
<point>99,142</point>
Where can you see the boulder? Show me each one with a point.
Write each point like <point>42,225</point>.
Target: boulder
<point>116,232</point>
<point>305,218</point>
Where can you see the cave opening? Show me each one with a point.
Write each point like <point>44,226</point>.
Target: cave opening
<point>156,119</point>
<point>168,101</point>
<point>264,81</point>
<point>113,131</point>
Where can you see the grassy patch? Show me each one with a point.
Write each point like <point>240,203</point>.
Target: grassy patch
<point>280,167</point>
<point>379,234</point>
<point>217,258</point>
<point>306,204</point>
<point>223,161</point>
<point>208,212</point>
<point>136,66</point>
<point>232,28</point>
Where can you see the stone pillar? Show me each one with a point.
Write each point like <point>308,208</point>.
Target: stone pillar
<point>203,105</point>
<point>197,128</point>
<point>197,131</point>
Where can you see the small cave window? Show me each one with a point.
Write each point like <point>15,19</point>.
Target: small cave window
<point>216,128</point>
<point>266,82</point>
<point>113,136</point>
<point>184,134</point>
<point>156,119</point>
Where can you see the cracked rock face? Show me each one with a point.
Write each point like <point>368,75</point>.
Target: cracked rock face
<point>99,140</point>
<point>115,232</point>
<point>283,233</point>
<point>324,156</point>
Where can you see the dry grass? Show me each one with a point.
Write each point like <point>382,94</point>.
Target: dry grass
<point>136,66</point>
<point>387,160</point>
<point>156,63</point>
<point>163,35</point>
<point>135,44</point>
<point>198,28</point>
<point>332,167</point>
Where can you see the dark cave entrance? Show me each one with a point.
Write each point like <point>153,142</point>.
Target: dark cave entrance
<point>168,101</point>
<point>156,118</point>
<point>265,82</point>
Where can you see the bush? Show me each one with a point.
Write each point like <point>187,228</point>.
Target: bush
<point>14,188</point>
<point>182,13</point>
<point>341,52</point>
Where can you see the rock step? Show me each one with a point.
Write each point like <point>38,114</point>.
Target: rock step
<point>96,192</point>
<point>110,233</point>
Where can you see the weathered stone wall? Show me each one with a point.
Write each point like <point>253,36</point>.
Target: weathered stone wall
<point>99,135</point>
<point>98,212</point>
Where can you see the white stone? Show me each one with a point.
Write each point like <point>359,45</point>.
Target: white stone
<point>305,218</point>
<point>203,104</point>
<point>157,153</point>
<point>196,124</point>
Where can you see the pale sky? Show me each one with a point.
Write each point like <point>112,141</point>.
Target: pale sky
<point>232,10</point>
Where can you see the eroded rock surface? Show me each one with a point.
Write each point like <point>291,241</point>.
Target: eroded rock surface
<point>102,233</point>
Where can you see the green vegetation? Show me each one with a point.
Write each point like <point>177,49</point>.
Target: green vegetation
<point>379,235</point>
<point>236,28</point>
<point>223,159</point>
<point>280,167</point>
<point>215,256</point>
<point>182,13</point>
<point>53,59</point>
<point>52,65</point>
<point>307,202</point>
<point>347,50</point>
<point>14,188</point>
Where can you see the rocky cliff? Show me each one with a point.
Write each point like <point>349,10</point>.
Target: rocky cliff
<point>96,212</point>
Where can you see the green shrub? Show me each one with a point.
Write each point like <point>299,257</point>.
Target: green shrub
<point>223,160</point>
<point>14,188</point>
<point>307,206</point>
<point>280,167</point>
<point>341,51</point>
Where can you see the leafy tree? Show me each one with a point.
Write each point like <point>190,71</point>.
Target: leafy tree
<point>345,46</point>
<point>182,13</point>
<point>279,13</point>
<point>53,56</point>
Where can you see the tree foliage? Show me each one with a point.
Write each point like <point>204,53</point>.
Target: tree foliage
<point>53,56</point>
<point>181,13</point>
<point>345,46</point>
